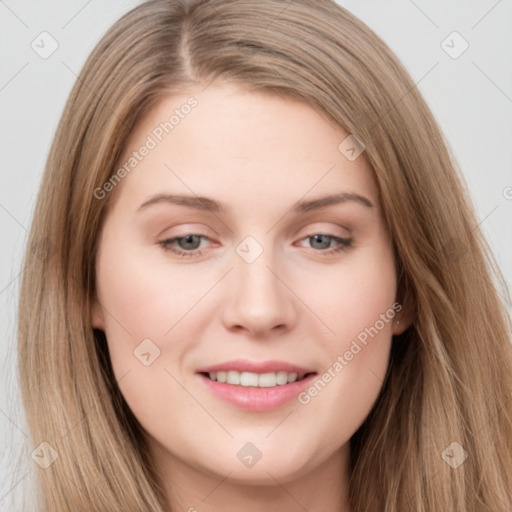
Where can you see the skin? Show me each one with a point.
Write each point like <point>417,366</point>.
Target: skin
<point>257,154</point>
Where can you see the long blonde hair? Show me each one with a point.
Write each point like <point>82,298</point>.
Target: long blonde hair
<point>449,378</point>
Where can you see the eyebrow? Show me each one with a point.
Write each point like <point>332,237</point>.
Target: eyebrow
<point>302,206</point>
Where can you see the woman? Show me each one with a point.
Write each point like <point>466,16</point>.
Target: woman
<point>330,340</point>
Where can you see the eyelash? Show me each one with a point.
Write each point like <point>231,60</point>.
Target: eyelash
<point>343,245</point>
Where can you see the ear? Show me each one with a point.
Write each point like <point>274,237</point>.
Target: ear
<point>97,316</point>
<point>404,318</point>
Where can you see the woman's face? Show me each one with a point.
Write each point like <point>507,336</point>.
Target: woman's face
<point>283,271</point>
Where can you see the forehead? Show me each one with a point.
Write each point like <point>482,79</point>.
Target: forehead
<point>226,141</point>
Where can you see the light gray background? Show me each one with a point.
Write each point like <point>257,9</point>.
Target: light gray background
<point>471,97</point>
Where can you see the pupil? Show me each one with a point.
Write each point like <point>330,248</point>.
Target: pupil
<point>189,239</point>
<point>323,239</point>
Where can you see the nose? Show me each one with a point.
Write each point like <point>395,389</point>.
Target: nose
<point>260,301</point>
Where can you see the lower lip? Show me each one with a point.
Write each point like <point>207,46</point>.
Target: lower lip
<point>255,398</point>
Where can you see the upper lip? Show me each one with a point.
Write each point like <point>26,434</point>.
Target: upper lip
<point>244,365</point>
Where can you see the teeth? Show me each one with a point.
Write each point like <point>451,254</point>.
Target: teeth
<point>262,380</point>
<point>281,378</point>
<point>248,379</point>
<point>233,377</point>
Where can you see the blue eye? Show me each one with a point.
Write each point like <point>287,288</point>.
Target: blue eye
<point>323,241</point>
<point>190,242</point>
<point>189,245</point>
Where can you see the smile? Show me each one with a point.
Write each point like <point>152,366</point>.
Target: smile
<point>256,386</point>
<point>261,380</point>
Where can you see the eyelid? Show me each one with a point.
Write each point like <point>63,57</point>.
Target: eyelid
<point>183,229</point>
<point>312,228</point>
<point>326,228</point>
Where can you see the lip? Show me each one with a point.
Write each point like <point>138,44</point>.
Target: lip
<point>254,398</point>
<point>244,365</point>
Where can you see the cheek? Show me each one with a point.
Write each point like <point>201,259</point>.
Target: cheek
<point>354,296</point>
<point>144,296</point>
<point>143,302</point>
<point>152,320</point>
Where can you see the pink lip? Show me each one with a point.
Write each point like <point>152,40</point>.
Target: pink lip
<point>257,399</point>
<point>244,365</point>
<point>254,398</point>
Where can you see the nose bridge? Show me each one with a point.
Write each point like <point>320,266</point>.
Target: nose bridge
<point>259,300</point>
<point>256,282</point>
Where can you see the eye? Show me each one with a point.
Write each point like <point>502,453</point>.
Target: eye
<point>183,246</point>
<point>332,243</point>
<point>190,244</point>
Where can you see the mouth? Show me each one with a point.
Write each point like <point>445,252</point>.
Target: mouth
<point>256,386</point>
